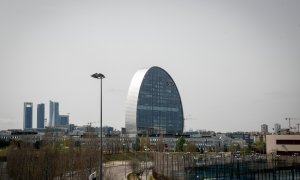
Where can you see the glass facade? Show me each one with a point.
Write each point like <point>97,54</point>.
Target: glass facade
<point>27,116</point>
<point>64,120</point>
<point>54,118</point>
<point>40,115</point>
<point>154,104</point>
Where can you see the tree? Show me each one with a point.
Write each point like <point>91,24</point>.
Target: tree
<point>144,142</point>
<point>4,143</point>
<point>137,144</point>
<point>260,147</point>
<point>234,147</point>
<point>136,167</point>
<point>56,158</point>
<point>179,144</point>
<point>190,147</point>
<point>160,145</point>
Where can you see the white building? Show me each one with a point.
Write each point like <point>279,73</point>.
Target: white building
<point>283,144</point>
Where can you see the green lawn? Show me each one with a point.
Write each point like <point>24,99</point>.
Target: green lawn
<point>3,154</point>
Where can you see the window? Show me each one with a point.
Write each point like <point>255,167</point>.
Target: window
<point>292,142</point>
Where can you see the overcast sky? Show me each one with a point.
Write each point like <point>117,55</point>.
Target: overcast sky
<point>236,63</point>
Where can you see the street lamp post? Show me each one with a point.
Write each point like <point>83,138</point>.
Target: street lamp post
<point>124,151</point>
<point>146,156</point>
<point>100,76</point>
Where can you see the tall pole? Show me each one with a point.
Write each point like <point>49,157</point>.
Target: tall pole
<point>101,143</point>
<point>100,76</point>
<point>124,153</point>
<point>146,162</point>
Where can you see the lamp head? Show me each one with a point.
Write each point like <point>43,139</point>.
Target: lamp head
<point>98,76</point>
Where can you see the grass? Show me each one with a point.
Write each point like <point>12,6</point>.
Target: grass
<point>3,154</point>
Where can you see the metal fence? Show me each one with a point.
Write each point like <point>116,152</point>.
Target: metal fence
<point>188,166</point>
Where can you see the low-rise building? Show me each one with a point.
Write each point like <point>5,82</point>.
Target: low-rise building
<point>283,144</point>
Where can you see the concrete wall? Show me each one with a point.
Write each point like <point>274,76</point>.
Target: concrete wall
<point>272,146</point>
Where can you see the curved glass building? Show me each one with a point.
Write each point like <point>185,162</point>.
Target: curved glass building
<point>153,104</point>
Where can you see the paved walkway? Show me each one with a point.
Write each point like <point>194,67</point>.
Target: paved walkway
<point>117,170</point>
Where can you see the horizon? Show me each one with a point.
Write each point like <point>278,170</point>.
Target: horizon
<point>235,64</point>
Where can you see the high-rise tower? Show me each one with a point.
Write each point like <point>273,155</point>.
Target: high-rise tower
<point>264,128</point>
<point>54,118</point>
<point>153,104</point>
<point>277,128</point>
<point>27,115</point>
<point>64,119</point>
<point>40,115</point>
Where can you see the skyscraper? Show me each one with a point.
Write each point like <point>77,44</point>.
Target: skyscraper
<point>64,120</point>
<point>40,115</point>
<point>264,128</point>
<point>54,118</point>
<point>153,104</point>
<point>277,128</point>
<point>27,115</point>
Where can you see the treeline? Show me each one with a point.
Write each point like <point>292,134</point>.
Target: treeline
<point>53,158</point>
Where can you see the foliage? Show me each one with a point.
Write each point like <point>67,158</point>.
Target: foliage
<point>234,147</point>
<point>55,158</point>
<point>4,143</point>
<point>160,143</point>
<point>191,147</point>
<point>180,144</point>
<point>260,147</point>
<point>133,176</point>
<point>136,146</point>
<point>3,154</point>
<point>144,142</point>
<point>136,167</point>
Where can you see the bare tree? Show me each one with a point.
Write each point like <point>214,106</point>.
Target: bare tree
<point>57,158</point>
<point>136,167</point>
<point>160,145</point>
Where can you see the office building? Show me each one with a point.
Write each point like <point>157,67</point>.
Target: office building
<point>54,118</point>
<point>27,115</point>
<point>264,128</point>
<point>107,130</point>
<point>123,130</point>
<point>277,128</point>
<point>64,120</point>
<point>153,104</point>
<point>240,135</point>
<point>40,116</point>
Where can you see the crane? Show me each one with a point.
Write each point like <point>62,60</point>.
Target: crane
<point>298,126</point>
<point>292,119</point>
<point>90,123</point>
<point>187,120</point>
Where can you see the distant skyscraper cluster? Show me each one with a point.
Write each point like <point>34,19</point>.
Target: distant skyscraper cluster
<point>27,116</point>
<point>40,116</point>
<point>55,119</point>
